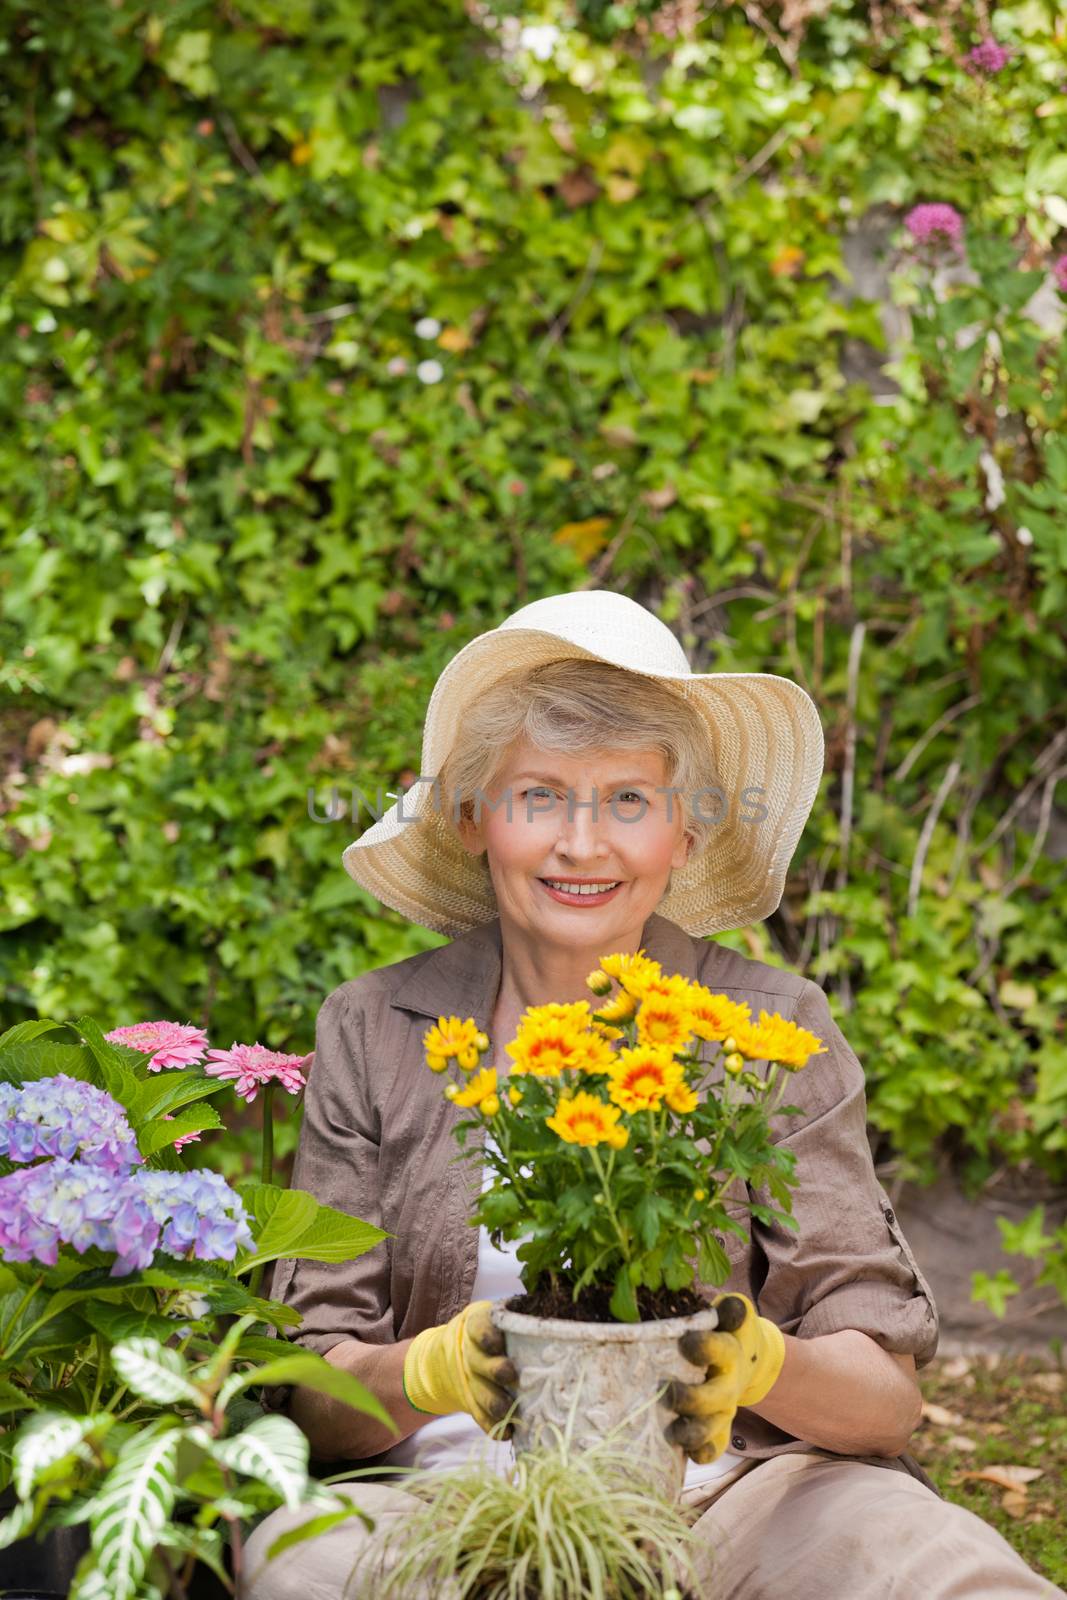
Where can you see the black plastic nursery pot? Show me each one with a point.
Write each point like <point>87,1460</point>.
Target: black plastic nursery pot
<point>32,1569</point>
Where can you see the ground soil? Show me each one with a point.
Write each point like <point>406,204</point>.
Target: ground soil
<point>1002,1413</point>
<point>592,1304</point>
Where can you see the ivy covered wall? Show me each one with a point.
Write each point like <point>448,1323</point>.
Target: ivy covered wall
<point>331,332</point>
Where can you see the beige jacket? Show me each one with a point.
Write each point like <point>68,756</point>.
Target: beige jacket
<point>376,1142</point>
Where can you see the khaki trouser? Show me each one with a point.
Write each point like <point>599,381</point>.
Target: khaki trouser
<point>793,1527</point>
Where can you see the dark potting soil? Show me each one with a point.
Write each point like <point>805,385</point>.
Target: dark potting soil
<point>554,1300</point>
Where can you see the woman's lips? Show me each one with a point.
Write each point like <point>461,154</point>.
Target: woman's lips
<point>563,899</point>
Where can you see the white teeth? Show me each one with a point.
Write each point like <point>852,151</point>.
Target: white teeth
<point>578,889</point>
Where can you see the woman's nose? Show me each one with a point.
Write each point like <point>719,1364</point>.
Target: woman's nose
<point>581,832</point>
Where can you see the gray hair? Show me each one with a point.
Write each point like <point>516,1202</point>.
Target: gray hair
<point>578,707</point>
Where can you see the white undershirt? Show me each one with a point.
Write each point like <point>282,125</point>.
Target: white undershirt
<point>454,1439</point>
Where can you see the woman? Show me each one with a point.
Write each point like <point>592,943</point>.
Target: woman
<point>595,796</point>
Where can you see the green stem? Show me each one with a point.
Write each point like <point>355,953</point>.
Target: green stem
<point>606,1190</point>
<point>266,1160</point>
<point>266,1168</point>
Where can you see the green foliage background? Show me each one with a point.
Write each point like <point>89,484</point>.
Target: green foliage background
<point>243,527</point>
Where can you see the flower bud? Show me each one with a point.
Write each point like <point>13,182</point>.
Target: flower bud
<point>515,1095</point>
<point>436,1063</point>
<point>451,1091</point>
<point>729,1044</point>
<point>490,1105</point>
<point>734,1062</point>
<point>700,1194</point>
<point>468,1059</point>
<point>599,982</point>
<point>482,1041</point>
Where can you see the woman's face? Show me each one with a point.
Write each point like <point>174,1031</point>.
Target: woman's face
<point>553,841</point>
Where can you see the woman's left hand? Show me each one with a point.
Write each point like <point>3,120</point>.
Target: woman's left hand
<point>742,1358</point>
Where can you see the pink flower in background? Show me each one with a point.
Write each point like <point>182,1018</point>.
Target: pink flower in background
<point>989,56</point>
<point>251,1066</point>
<point>175,1044</point>
<point>928,221</point>
<point>183,1138</point>
<point>1059,272</point>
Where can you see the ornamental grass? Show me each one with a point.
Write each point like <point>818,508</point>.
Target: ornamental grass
<point>563,1523</point>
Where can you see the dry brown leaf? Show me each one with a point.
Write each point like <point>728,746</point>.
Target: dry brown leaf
<point>996,1427</point>
<point>958,1367</point>
<point>960,1441</point>
<point>940,1415</point>
<point>1051,1382</point>
<point>1014,1503</point>
<point>1006,1475</point>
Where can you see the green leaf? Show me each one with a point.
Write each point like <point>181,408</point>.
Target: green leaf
<point>153,1371</point>
<point>18,1523</point>
<point>26,1032</point>
<point>133,1505</point>
<point>157,1135</point>
<point>310,1371</point>
<point>273,1450</point>
<point>291,1222</point>
<point>116,1077</point>
<point>993,1291</point>
<point>14,1399</point>
<point>46,1439</point>
<point>316,1525</point>
<point>623,1303</point>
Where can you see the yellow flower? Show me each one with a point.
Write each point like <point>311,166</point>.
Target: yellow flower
<point>619,1009</point>
<point>515,1095</point>
<point>479,1091</point>
<point>630,969</point>
<point>583,1119</point>
<point>598,981</point>
<point>642,1078</point>
<point>683,1100</point>
<point>665,1018</point>
<point>715,1016</point>
<point>490,1105</point>
<point>604,1030</point>
<point>452,1038</point>
<point>699,1194</point>
<point>556,1038</point>
<point>775,1039</point>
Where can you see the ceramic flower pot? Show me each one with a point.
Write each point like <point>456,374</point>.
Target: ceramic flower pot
<point>608,1375</point>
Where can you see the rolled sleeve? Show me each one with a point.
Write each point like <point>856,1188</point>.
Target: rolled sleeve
<point>337,1162</point>
<point>848,1264</point>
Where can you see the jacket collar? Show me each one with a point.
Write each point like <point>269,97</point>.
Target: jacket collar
<point>462,978</point>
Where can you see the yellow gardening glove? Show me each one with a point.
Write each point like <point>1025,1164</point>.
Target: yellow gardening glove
<point>462,1366</point>
<point>742,1357</point>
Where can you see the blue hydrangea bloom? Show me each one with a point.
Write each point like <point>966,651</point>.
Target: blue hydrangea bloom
<point>61,1202</point>
<point>61,1116</point>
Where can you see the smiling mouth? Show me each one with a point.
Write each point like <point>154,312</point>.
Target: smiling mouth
<point>584,889</point>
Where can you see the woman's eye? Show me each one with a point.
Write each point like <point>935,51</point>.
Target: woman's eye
<point>630,794</point>
<point>525,792</point>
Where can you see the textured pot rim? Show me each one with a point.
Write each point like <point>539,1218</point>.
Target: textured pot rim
<point>602,1332</point>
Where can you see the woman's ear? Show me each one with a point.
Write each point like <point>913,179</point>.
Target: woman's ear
<point>470,836</point>
<point>683,849</point>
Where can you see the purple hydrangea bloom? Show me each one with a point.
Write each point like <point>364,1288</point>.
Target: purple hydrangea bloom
<point>62,1202</point>
<point>61,1116</point>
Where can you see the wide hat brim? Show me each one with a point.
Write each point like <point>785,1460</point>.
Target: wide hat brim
<point>768,743</point>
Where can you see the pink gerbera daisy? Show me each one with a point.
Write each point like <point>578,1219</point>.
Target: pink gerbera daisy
<point>174,1044</point>
<point>1059,272</point>
<point>252,1065</point>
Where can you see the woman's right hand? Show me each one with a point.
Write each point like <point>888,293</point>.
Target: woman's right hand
<point>462,1366</point>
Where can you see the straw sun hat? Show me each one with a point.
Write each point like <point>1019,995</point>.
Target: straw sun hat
<point>765,733</point>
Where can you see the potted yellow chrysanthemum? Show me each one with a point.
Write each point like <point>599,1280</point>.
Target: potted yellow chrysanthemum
<point>622,1124</point>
